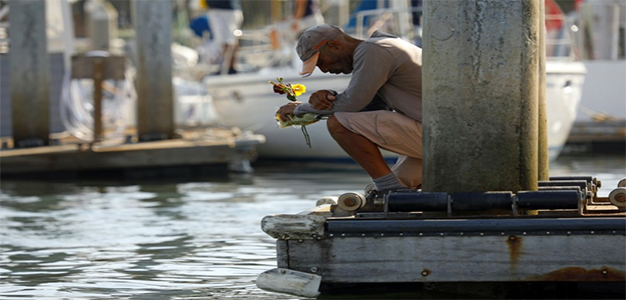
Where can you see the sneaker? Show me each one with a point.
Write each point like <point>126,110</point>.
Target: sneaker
<point>369,188</point>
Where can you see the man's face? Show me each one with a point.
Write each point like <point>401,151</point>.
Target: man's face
<point>335,61</point>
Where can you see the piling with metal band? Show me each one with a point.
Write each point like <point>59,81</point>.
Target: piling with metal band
<point>480,84</point>
<point>30,73</point>
<point>155,103</point>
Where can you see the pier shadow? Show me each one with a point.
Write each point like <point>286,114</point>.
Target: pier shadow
<point>169,174</point>
<point>476,290</point>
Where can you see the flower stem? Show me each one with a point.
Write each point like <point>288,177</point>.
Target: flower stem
<point>307,139</point>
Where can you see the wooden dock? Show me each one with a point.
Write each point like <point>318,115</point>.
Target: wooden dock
<point>483,242</point>
<point>30,114</point>
<point>222,149</point>
<point>605,136</point>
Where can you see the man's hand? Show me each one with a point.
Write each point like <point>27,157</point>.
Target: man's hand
<point>287,110</point>
<point>322,100</point>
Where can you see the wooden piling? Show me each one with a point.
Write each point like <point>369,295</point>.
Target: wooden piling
<point>481,92</point>
<point>30,73</point>
<point>155,103</point>
<point>98,68</point>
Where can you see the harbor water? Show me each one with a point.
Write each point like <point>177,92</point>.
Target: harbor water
<point>173,240</point>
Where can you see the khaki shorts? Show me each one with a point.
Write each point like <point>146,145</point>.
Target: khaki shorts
<point>393,132</point>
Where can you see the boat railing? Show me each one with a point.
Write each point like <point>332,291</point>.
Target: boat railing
<point>559,39</point>
<point>262,47</point>
<point>258,48</point>
<point>559,42</point>
<point>601,30</point>
<point>4,30</point>
<point>398,21</point>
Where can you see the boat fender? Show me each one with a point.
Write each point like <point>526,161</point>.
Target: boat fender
<point>351,201</point>
<point>288,281</point>
<point>618,197</point>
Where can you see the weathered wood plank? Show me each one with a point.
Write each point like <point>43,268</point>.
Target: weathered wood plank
<point>301,226</point>
<point>462,258</point>
<point>149,154</point>
<point>114,67</point>
<point>282,254</point>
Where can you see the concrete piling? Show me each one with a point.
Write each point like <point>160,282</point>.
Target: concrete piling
<point>481,87</point>
<point>155,103</point>
<point>30,73</point>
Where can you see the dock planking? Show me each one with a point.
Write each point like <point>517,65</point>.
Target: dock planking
<point>106,156</point>
<point>325,250</point>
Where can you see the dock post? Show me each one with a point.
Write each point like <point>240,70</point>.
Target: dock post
<point>98,76</point>
<point>30,74</point>
<point>155,102</point>
<point>544,161</point>
<point>480,86</point>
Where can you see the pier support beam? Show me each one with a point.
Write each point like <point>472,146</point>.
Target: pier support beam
<point>480,81</point>
<point>155,102</point>
<point>30,73</point>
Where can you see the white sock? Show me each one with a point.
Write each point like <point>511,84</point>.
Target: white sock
<point>387,182</point>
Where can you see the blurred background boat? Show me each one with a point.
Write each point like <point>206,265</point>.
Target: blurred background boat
<point>246,100</point>
<point>84,118</point>
<point>587,37</point>
<point>600,124</point>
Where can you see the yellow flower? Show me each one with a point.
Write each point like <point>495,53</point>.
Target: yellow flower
<point>298,89</point>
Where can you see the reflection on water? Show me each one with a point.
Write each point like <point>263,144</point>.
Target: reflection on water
<point>95,240</point>
<point>193,240</point>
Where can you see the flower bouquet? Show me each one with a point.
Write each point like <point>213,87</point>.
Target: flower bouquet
<point>292,92</point>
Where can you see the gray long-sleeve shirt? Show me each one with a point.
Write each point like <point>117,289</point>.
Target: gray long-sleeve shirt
<point>385,65</point>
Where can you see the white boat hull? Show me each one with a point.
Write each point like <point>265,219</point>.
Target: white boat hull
<point>248,102</point>
<point>564,84</point>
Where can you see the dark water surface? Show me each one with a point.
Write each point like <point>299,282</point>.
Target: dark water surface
<point>164,240</point>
